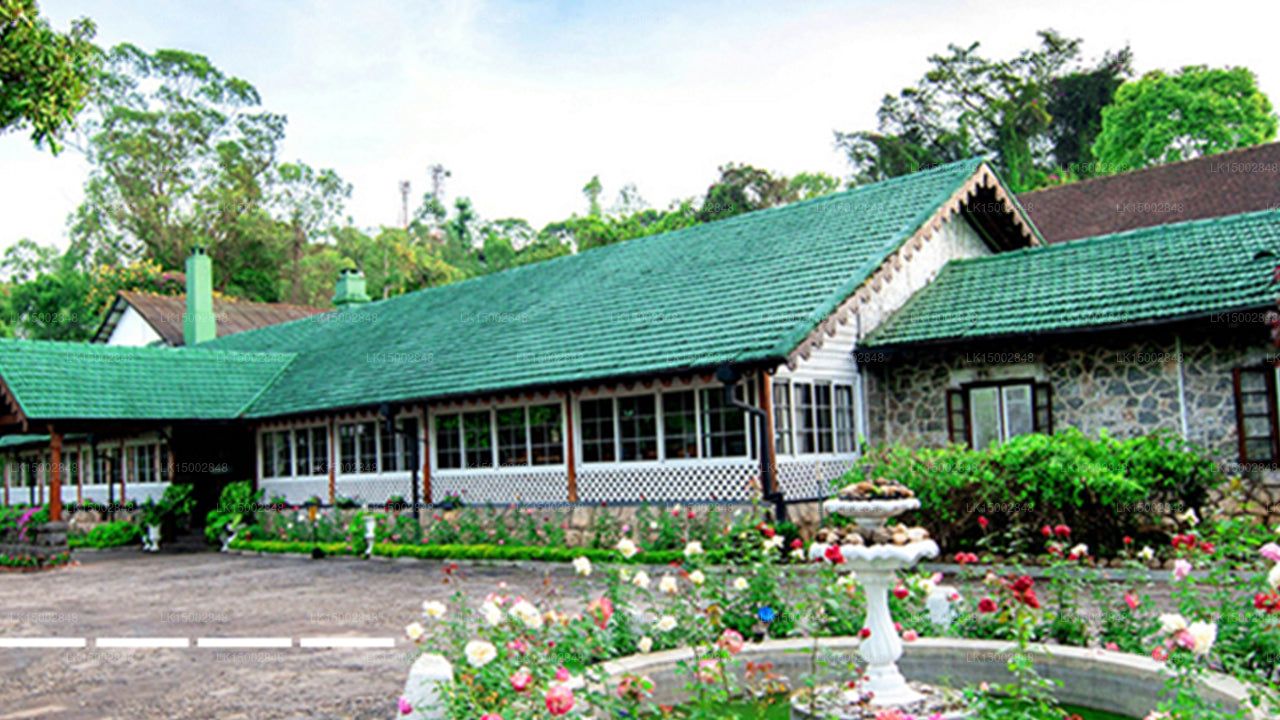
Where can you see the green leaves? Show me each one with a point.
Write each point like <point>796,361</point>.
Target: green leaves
<point>44,75</point>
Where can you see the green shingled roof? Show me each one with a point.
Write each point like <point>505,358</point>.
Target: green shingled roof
<point>742,289</point>
<point>53,380</point>
<point>1158,273</point>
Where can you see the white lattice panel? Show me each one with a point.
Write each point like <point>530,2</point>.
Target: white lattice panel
<point>375,490</point>
<point>295,492</point>
<point>667,483</point>
<point>810,479</point>
<point>478,487</point>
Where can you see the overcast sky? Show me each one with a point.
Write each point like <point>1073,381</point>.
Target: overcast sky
<point>525,101</point>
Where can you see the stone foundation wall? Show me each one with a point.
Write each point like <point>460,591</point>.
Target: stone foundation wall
<point>41,542</point>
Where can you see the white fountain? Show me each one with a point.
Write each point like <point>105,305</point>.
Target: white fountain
<point>876,564</point>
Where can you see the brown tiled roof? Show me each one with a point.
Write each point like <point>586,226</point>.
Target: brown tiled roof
<point>1212,186</point>
<point>165,314</point>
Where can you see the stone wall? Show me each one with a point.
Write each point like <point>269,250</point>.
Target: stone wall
<point>41,542</point>
<point>1126,383</point>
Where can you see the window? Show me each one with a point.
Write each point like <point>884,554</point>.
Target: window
<point>277,457</point>
<point>319,450</point>
<point>449,441</point>
<point>302,449</point>
<point>680,425</point>
<point>512,439</point>
<point>1256,426</point>
<point>106,465</point>
<point>724,427</point>
<point>358,448</point>
<point>546,436</point>
<point>782,418</point>
<point>597,430</point>
<point>845,441</point>
<point>407,444</point>
<point>822,410</point>
<point>987,414</point>
<point>806,437</point>
<point>477,439</point>
<point>637,428</point>
<point>142,463</point>
<point>166,463</point>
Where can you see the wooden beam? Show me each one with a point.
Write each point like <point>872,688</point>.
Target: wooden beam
<point>333,472</point>
<point>570,460</point>
<point>426,456</point>
<point>767,443</point>
<point>55,487</point>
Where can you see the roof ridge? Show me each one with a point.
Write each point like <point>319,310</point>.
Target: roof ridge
<point>226,298</point>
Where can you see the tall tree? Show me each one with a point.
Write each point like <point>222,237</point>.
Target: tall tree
<point>1075,108</point>
<point>44,75</point>
<point>309,201</point>
<point>1163,118</point>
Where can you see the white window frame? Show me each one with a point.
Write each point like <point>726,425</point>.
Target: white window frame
<point>492,409</point>
<point>794,416</point>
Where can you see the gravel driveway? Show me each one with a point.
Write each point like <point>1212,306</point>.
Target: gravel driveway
<point>124,593</point>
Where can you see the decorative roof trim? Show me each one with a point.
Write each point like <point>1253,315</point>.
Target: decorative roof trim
<point>984,178</point>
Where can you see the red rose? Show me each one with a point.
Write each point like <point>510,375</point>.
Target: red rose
<point>1023,584</point>
<point>983,522</point>
<point>901,592</point>
<point>797,544</point>
<point>1062,531</point>
<point>1046,531</point>
<point>834,555</point>
<point>864,633</point>
<point>1030,600</point>
<point>768,531</point>
<point>986,605</point>
<point>1127,540</point>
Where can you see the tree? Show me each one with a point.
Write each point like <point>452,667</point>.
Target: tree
<point>180,153</point>
<point>309,201</point>
<point>967,104</point>
<point>44,75</point>
<point>592,190</point>
<point>1163,118</point>
<point>1078,99</point>
<point>743,188</point>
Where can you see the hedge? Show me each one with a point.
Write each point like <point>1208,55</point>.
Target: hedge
<point>469,552</point>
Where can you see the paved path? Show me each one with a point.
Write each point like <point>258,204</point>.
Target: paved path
<point>190,596</point>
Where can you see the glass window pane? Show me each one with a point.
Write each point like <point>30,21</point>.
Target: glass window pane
<point>319,451</point>
<point>984,408</point>
<point>346,449</point>
<point>302,450</point>
<point>782,418</point>
<point>724,427</point>
<point>477,439</point>
<point>367,447</point>
<point>387,448</point>
<point>512,450</point>
<point>845,441</point>
<point>822,411</point>
<point>268,456</point>
<point>679,425</point>
<point>1017,410</point>
<point>407,442</point>
<point>284,463</point>
<point>597,430</point>
<point>546,435</point>
<point>1258,450</point>
<point>448,441</point>
<point>806,437</point>
<point>638,428</point>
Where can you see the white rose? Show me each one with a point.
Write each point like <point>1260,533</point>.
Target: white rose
<point>1188,517</point>
<point>645,644</point>
<point>527,614</point>
<point>697,578</point>
<point>666,623</point>
<point>693,548</point>
<point>773,543</point>
<point>1080,550</point>
<point>582,566</point>
<point>1171,623</point>
<point>627,548</point>
<point>668,584</point>
<point>433,609</point>
<point>492,614</point>
<point>641,580</point>
<point>845,581</point>
<point>1204,634</point>
<point>479,653</point>
<point>625,574</point>
<point>1146,553</point>
<point>740,584</point>
<point>1273,577</point>
<point>414,631</point>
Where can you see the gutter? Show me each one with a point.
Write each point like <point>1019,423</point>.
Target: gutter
<point>768,486</point>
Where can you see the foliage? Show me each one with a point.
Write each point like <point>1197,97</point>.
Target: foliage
<point>15,518</point>
<point>449,552</point>
<point>172,510</point>
<point>1167,117</point>
<point>968,104</point>
<point>108,535</point>
<point>236,504</point>
<point>1067,478</point>
<point>44,74</point>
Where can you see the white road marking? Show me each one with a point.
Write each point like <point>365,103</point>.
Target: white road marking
<point>46,642</point>
<point>143,642</point>
<point>347,642</point>
<point>270,642</point>
<point>33,712</point>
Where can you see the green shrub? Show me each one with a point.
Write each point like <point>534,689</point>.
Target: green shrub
<point>1102,488</point>
<point>465,552</point>
<point>236,504</point>
<point>108,535</point>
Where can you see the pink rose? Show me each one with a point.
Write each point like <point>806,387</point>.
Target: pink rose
<point>600,610</point>
<point>520,680</point>
<point>406,707</point>
<point>910,636</point>
<point>562,674</point>
<point>732,641</point>
<point>1132,601</point>
<point>559,700</point>
<point>1112,647</point>
<point>1270,551</point>
<point>1181,569</point>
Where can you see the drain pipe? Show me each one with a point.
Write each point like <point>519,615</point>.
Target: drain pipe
<point>727,375</point>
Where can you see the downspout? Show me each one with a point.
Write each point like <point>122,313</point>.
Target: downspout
<point>727,375</point>
<point>1182,385</point>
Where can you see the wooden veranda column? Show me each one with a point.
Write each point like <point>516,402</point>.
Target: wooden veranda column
<point>79,475</point>
<point>8,462</point>
<point>768,447</point>
<point>570,464</point>
<point>333,477</point>
<point>55,470</point>
<point>124,471</point>
<point>426,455</point>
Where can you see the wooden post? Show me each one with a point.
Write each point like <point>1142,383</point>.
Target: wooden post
<point>43,473</point>
<point>55,464</point>
<point>768,447</point>
<point>155,461</point>
<point>426,456</point>
<point>80,475</point>
<point>570,458</point>
<point>7,463</point>
<point>124,471</point>
<point>333,478</point>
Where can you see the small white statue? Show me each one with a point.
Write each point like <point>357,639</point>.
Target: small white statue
<point>151,541</point>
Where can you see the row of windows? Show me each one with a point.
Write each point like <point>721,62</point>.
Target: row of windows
<point>505,437</point>
<point>683,424</point>
<point>812,418</point>
<point>147,463</point>
<point>365,447</point>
